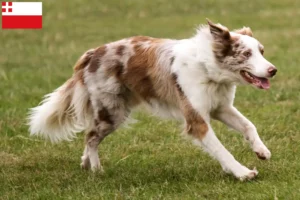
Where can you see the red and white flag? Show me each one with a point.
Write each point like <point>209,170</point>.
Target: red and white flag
<point>22,15</point>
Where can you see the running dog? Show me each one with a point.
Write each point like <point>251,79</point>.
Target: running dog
<point>193,80</point>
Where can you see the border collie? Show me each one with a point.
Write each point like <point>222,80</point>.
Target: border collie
<point>193,80</point>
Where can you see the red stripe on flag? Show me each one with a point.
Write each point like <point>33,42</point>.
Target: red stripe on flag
<point>21,22</point>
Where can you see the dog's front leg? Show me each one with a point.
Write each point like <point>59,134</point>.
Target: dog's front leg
<point>234,119</point>
<point>214,147</point>
<point>199,129</point>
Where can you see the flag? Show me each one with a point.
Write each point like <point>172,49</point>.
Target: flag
<point>22,15</point>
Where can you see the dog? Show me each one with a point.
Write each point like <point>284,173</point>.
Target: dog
<point>193,80</point>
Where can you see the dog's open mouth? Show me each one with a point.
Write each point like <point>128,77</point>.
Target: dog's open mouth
<point>262,83</point>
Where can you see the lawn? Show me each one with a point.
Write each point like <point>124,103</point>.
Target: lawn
<point>151,160</point>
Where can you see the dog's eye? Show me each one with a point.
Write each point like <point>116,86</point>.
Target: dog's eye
<point>247,54</point>
<point>262,51</point>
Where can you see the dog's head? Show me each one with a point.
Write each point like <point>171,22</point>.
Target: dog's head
<point>242,55</point>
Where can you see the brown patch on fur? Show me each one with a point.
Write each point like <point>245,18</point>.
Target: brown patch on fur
<point>141,83</point>
<point>223,41</point>
<point>120,50</point>
<point>90,135</point>
<point>195,124</point>
<point>115,69</point>
<point>96,59</point>
<point>244,31</point>
<point>103,115</point>
<point>240,54</point>
<point>218,31</point>
<point>139,67</point>
<point>84,60</point>
<point>223,49</point>
<point>143,75</point>
<point>137,39</point>
<point>80,77</point>
<point>179,89</point>
<point>77,77</point>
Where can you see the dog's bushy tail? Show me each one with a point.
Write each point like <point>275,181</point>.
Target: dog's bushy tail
<point>65,111</point>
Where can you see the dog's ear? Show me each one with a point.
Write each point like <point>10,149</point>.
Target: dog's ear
<point>245,31</point>
<point>218,31</point>
<point>222,44</point>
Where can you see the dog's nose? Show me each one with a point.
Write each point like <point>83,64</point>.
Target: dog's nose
<point>272,71</point>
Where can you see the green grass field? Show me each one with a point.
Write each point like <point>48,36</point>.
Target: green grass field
<point>151,160</point>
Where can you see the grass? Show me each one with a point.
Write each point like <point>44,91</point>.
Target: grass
<point>151,160</point>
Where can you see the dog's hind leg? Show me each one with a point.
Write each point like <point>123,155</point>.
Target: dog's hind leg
<point>108,115</point>
<point>85,164</point>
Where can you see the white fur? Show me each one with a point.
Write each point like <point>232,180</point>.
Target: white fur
<point>60,117</point>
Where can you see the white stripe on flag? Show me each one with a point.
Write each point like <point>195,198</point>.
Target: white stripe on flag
<point>24,8</point>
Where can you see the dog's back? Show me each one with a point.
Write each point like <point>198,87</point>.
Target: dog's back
<point>110,80</point>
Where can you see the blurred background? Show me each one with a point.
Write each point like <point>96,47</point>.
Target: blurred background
<point>151,160</point>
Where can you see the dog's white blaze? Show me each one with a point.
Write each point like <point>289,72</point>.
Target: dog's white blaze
<point>259,64</point>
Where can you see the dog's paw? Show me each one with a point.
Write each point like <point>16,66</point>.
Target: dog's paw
<point>262,152</point>
<point>246,174</point>
<point>251,174</point>
<point>97,168</point>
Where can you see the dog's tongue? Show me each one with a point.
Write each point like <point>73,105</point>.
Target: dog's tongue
<point>264,83</point>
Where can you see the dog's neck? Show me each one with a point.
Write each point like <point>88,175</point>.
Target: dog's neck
<point>214,70</point>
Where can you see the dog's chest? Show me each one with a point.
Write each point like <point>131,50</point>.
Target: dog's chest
<point>216,95</point>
